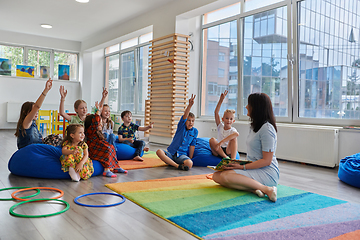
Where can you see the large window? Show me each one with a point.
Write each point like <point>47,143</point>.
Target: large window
<point>127,73</point>
<point>221,69</point>
<point>329,71</point>
<point>319,47</point>
<point>265,58</point>
<point>44,61</point>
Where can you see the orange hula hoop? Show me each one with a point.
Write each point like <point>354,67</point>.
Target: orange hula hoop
<point>45,188</point>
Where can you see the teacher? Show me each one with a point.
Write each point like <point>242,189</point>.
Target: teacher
<point>261,176</point>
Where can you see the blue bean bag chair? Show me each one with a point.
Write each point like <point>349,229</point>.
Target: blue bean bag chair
<point>203,156</point>
<point>42,161</point>
<point>124,152</point>
<point>349,170</point>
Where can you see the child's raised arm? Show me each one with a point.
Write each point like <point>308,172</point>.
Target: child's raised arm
<point>98,108</point>
<point>218,106</point>
<point>191,103</point>
<point>29,118</point>
<point>104,95</point>
<point>62,112</point>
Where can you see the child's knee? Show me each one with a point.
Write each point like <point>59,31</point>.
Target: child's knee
<point>188,163</point>
<point>159,152</point>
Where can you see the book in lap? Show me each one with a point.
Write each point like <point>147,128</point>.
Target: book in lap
<point>226,161</point>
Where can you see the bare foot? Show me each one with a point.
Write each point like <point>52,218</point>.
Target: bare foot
<point>138,158</point>
<point>146,149</point>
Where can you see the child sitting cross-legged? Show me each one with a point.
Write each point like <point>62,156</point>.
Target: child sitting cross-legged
<point>75,158</point>
<point>225,145</point>
<point>183,142</point>
<point>127,131</point>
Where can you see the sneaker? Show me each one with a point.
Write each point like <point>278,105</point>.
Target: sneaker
<point>183,167</point>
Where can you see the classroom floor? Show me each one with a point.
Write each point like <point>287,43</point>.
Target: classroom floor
<point>128,220</point>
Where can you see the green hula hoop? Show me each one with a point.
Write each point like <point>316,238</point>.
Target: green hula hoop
<point>8,199</point>
<point>38,216</point>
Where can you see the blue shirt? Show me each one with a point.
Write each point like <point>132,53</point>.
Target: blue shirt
<point>263,140</point>
<point>31,135</point>
<point>183,139</point>
<point>129,131</point>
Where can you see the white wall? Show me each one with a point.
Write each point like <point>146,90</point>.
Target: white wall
<point>20,90</point>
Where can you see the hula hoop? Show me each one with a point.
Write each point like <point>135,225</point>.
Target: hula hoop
<point>39,200</point>
<point>109,205</point>
<point>8,199</point>
<point>47,188</point>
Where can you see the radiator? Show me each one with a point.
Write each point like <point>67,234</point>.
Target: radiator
<point>318,145</point>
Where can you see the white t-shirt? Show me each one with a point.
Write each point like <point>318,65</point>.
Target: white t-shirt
<point>222,133</point>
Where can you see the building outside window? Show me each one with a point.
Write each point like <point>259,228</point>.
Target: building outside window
<point>325,53</point>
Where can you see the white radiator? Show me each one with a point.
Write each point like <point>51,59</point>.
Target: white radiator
<point>318,145</point>
<point>312,144</point>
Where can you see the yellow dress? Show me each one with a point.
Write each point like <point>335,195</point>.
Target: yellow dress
<point>72,160</point>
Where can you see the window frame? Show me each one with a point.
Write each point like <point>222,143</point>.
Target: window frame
<point>26,49</point>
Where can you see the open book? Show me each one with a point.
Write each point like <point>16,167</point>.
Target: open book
<point>226,161</point>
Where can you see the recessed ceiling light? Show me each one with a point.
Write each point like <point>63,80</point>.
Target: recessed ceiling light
<point>46,25</point>
<point>82,1</point>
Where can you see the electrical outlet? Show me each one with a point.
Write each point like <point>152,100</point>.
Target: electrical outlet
<point>213,129</point>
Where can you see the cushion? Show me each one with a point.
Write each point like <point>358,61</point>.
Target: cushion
<point>203,156</point>
<point>349,170</point>
<point>124,151</point>
<point>42,161</point>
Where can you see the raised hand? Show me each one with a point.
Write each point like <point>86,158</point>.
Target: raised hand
<point>192,100</point>
<point>48,85</point>
<point>223,95</point>
<point>151,125</point>
<point>63,92</point>
<point>104,93</point>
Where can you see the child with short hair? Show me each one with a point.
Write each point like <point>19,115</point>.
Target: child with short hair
<point>99,148</point>
<point>80,107</point>
<point>108,125</point>
<point>183,142</point>
<point>75,158</point>
<point>225,145</point>
<point>126,134</point>
<point>26,130</point>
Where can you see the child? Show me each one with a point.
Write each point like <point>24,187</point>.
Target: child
<point>126,133</point>
<point>80,107</point>
<point>26,131</point>
<point>183,142</point>
<point>108,125</point>
<point>75,158</point>
<point>99,148</point>
<point>226,144</point>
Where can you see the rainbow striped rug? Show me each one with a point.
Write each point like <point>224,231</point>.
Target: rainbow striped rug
<point>208,211</point>
<point>150,160</point>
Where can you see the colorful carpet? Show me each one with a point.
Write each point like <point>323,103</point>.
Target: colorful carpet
<point>150,160</point>
<point>209,211</point>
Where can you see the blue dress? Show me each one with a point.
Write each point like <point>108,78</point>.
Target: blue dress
<point>31,136</point>
<point>263,140</point>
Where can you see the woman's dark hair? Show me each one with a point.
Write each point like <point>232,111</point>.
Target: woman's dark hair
<point>71,129</point>
<point>87,124</point>
<point>25,110</point>
<point>261,111</point>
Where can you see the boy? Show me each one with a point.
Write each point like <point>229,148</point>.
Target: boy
<point>227,135</point>
<point>127,131</point>
<point>183,142</point>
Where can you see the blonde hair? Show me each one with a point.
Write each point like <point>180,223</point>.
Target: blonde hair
<point>229,111</point>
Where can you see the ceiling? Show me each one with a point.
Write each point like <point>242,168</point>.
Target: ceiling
<point>70,20</point>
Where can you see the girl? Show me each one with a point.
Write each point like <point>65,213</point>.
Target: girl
<point>261,176</point>
<point>75,158</point>
<point>108,125</point>
<point>100,149</point>
<point>26,131</point>
<point>80,107</point>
